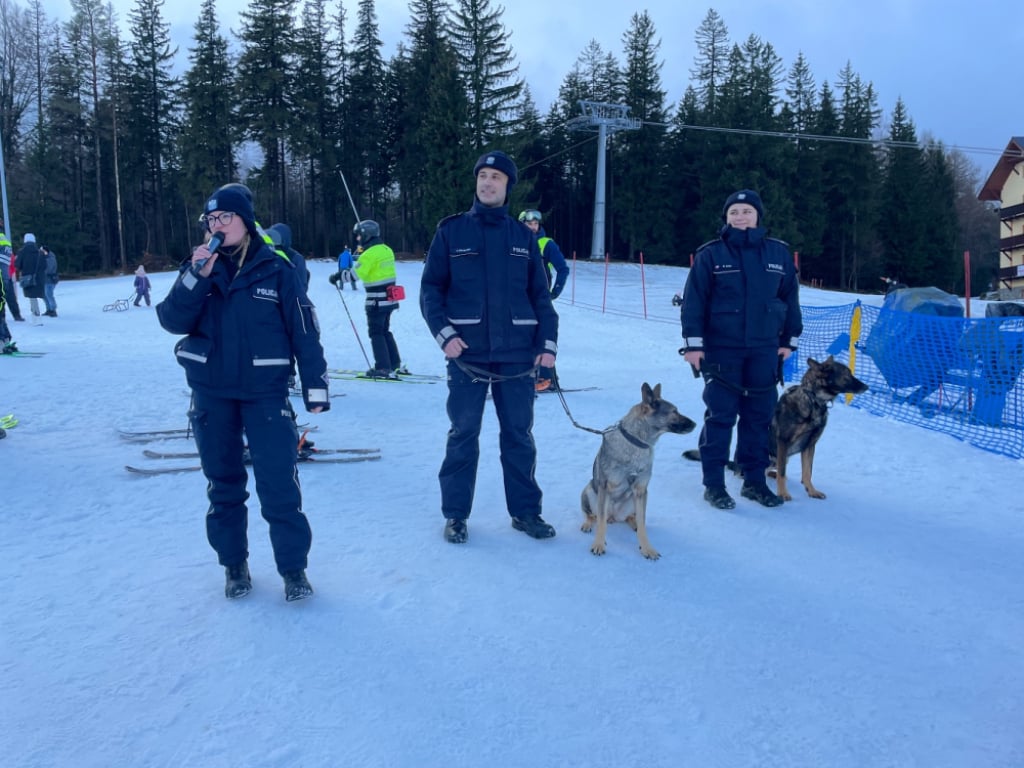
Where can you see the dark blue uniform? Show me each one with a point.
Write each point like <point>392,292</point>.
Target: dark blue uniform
<point>740,304</point>
<point>243,328</point>
<point>484,282</point>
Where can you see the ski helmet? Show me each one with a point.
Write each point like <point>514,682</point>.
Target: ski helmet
<point>365,230</point>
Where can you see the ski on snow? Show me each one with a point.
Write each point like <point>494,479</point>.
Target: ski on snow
<point>314,453</point>
<point>162,470</point>
<point>20,353</point>
<point>146,436</point>
<point>346,374</point>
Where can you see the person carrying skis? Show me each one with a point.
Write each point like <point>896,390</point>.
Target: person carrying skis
<point>244,314</point>
<point>345,272</point>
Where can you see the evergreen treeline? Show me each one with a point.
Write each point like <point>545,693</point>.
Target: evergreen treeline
<point>109,155</point>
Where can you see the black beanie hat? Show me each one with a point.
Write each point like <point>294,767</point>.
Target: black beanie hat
<point>230,197</point>
<point>502,162</point>
<point>748,196</point>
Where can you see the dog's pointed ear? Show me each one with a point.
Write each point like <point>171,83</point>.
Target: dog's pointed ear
<point>646,393</point>
<point>812,363</point>
<point>657,391</point>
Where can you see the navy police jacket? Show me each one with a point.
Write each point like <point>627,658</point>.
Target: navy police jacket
<point>484,281</point>
<point>244,326</point>
<point>742,292</point>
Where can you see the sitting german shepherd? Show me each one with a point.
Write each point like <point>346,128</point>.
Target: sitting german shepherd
<point>617,491</point>
<point>801,415</point>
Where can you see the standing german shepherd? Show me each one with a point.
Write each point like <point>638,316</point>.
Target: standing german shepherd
<point>801,415</point>
<point>617,491</point>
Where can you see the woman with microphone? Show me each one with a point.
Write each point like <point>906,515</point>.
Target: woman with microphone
<point>244,314</point>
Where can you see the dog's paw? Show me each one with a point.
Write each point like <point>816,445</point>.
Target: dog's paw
<point>650,553</point>
<point>814,493</point>
<point>588,526</point>
<point>597,549</point>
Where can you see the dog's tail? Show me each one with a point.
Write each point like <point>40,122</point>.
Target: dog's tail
<point>693,454</point>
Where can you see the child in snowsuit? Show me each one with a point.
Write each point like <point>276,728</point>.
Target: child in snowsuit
<point>141,286</point>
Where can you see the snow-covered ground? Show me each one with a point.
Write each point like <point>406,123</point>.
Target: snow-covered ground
<point>883,626</point>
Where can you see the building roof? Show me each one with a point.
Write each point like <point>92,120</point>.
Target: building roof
<point>1012,155</point>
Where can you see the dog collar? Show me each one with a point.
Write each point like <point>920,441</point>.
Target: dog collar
<point>632,439</point>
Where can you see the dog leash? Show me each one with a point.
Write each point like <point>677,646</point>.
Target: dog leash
<point>483,375</point>
<point>706,373</point>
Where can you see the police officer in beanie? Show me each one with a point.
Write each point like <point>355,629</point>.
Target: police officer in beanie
<point>740,320</point>
<point>244,314</point>
<point>485,298</point>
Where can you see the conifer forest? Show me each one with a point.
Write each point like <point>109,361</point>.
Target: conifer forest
<point>112,140</point>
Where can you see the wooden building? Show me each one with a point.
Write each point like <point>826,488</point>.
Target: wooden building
<point>1006,185</point>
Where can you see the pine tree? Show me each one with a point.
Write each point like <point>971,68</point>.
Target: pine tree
<point>486,64</point>
<point>265,105</point>
<point>368,157</point>
<point>151,117</point>
<point>88,31</point>
<point>433,161</point>
<point>802,165</point>
<point>852,170</point>
<point>642,204</point>
<point>943,259</point>
<point>314,134</point>
<point>686,159</point>
<point>711,63</point>
<point>208,137</point>
<point>903,224</point>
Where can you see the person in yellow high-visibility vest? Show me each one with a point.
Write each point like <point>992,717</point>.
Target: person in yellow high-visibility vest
<point>376,268</point>
<point>554,261</point>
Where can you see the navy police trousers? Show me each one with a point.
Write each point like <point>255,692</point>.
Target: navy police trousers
<point>269,426</point>
<point>513,403</point>
<point>727,373</point>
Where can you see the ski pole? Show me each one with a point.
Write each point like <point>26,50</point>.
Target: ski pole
<point>344,303</point>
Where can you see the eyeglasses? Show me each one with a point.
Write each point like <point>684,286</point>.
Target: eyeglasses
<point>530,215</point>
<point>224,219</point>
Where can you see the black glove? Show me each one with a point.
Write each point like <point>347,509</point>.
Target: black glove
<point>335,278</point>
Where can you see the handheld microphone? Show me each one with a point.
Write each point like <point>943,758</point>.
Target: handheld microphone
<point>215,242</point>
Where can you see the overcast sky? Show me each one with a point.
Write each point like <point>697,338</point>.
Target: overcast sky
<point>955,64</point>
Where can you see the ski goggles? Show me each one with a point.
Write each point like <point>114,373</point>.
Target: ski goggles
<point>530,215</point>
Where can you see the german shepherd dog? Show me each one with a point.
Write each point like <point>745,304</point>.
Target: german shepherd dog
<point>800,418</point>
<point>617,491</point>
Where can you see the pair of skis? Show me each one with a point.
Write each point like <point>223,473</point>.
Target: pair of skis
<point>349,374</point>
<point>306,455</point>
<point>152,435</point>
<point>316,456</point>
<point>10,421</point>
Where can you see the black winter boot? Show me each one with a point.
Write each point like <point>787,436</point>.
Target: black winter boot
<point>296,586</point>
<point>535,527</point>
<point>239,583</point>
<point>455,531</point>
<point>759,492</point>
<point>718,497</point>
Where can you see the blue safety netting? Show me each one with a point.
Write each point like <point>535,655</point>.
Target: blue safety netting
<point>928,365</point>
